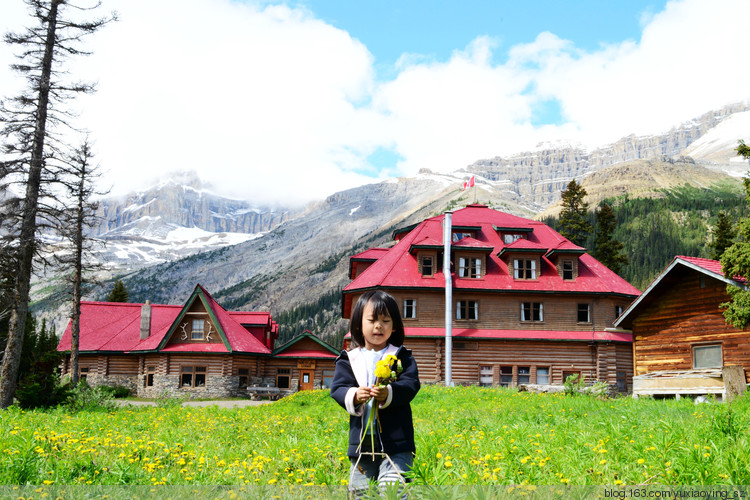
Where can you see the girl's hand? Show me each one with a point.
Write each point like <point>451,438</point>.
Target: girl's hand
<point>379,393</point>
<point>362,395</point>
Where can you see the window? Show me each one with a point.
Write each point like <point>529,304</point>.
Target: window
<point>467,309</point>
<point>707,356</point>
<point>532,311</point>
<point>283,376</point>
<point>510,238</point>
<point>524,375</point>
<point>327,378</point>
<point>485,376</point>
<point>571,373</point>
<point>567,270</point>
<point>83,373</point>
<point>460,236</point>
<point>149,378</point>
<point>542,375</point>
<point>244,377</point>
<point>584,315</point>
<point>193,376</point>
<point>469,267</point>
<point>410,308</point>
<point>524,269</point>
<point>427,264</point>
<point>197,331</point>
<point>506,376</point>
<point>618,311</point>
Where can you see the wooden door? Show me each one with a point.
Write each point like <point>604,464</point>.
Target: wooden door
<point>306,380</point>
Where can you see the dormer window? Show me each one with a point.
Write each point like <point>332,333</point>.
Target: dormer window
<point>427,265</point>
<point>458,236</point>
<point>567,270</point>
<point>509,238</point>
<point>197,330</point>
<point>524,269</point>
<point>469,267</point>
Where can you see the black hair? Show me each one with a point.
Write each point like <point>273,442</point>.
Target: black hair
<point>382,303</point>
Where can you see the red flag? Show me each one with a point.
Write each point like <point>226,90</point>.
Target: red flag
<point>471,182</point>
<point>466,184</point>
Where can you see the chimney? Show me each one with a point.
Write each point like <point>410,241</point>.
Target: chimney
<point>145,320</point>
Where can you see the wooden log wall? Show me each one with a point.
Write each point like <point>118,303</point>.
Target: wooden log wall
<point>686,313</point>
<point>600,361</point>
<point>503,311</point>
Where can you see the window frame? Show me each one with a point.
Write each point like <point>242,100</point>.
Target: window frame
<point>422,259</point>
<point>696,347</point>
<point>504,374</point>
<point>284,373</point>
<point>548,375</point>
<point>568,274</point>
<point>467,307</point>
<point>526,374</point>
<point>486,376</point>
<point>197,376</point>
<point>243,373</point>
<point>149,378</point>
<point>524,269</point>
<point>580,310</point>
<point>470,267</point>
<point>535,310</point>
<point>410,308</point>
<point>194,331</point>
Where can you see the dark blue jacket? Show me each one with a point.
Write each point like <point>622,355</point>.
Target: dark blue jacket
<point>397,428</point>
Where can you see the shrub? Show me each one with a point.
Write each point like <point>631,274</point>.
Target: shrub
<point>38,390</point>
<point>87,398</point>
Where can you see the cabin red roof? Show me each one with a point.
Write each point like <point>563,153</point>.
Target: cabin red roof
<point>398,268</point>
<point>116,327</point>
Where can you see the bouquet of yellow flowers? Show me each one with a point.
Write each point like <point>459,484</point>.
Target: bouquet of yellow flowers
<point>387,370</point>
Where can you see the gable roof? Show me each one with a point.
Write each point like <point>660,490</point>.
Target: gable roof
<point>398,267</point>
<point>300,347</point>
<point>115,327</point>
<point>707,267</point>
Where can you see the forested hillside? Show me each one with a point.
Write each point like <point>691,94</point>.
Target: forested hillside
<point>655,230</point>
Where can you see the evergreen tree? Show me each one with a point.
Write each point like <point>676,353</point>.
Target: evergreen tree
<point>723,236</point>
<point>607,249</point>
<point>33,124</point>
<point>735,262</point>
<point>119,293</point>
<point>574,224</point>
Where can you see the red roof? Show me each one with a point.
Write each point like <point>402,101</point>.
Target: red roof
<point>116,327</point>
<point>371,254</point>
<point>471,333</point>
<point>397,268</point>
<point>713,266</point>
<point>305,353</point>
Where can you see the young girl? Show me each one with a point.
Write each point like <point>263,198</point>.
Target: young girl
<point>377,331</point>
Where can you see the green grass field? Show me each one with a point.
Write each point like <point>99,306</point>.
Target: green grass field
<point>465,436</point>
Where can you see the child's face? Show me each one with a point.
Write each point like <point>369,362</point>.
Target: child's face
<point>376,330</point>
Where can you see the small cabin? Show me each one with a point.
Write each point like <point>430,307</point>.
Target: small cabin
<point>679,329</point>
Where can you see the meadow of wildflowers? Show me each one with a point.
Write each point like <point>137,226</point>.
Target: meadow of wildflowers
<point>465,436</point>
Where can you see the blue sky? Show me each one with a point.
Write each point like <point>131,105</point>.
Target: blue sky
<point>288,102</point>
<point>435,28</point>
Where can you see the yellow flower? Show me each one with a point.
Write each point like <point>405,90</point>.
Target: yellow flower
<point>382,370</point>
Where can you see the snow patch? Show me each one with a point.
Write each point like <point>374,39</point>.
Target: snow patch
<point>351,212</point>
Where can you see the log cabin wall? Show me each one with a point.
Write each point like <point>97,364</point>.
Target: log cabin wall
<point>604,361</point>
<point>686,314</point>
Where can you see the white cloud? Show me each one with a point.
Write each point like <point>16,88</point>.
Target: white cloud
<point>271,104</point>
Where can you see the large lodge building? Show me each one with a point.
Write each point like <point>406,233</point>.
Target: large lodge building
<point>529,307</point>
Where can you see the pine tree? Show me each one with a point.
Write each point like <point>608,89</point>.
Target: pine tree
<point>33,124</point>
<point>574,224</point>
<point>735,262</point>
<point>608,250</point>
<point>119,293</point>
<point>723,236</point>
